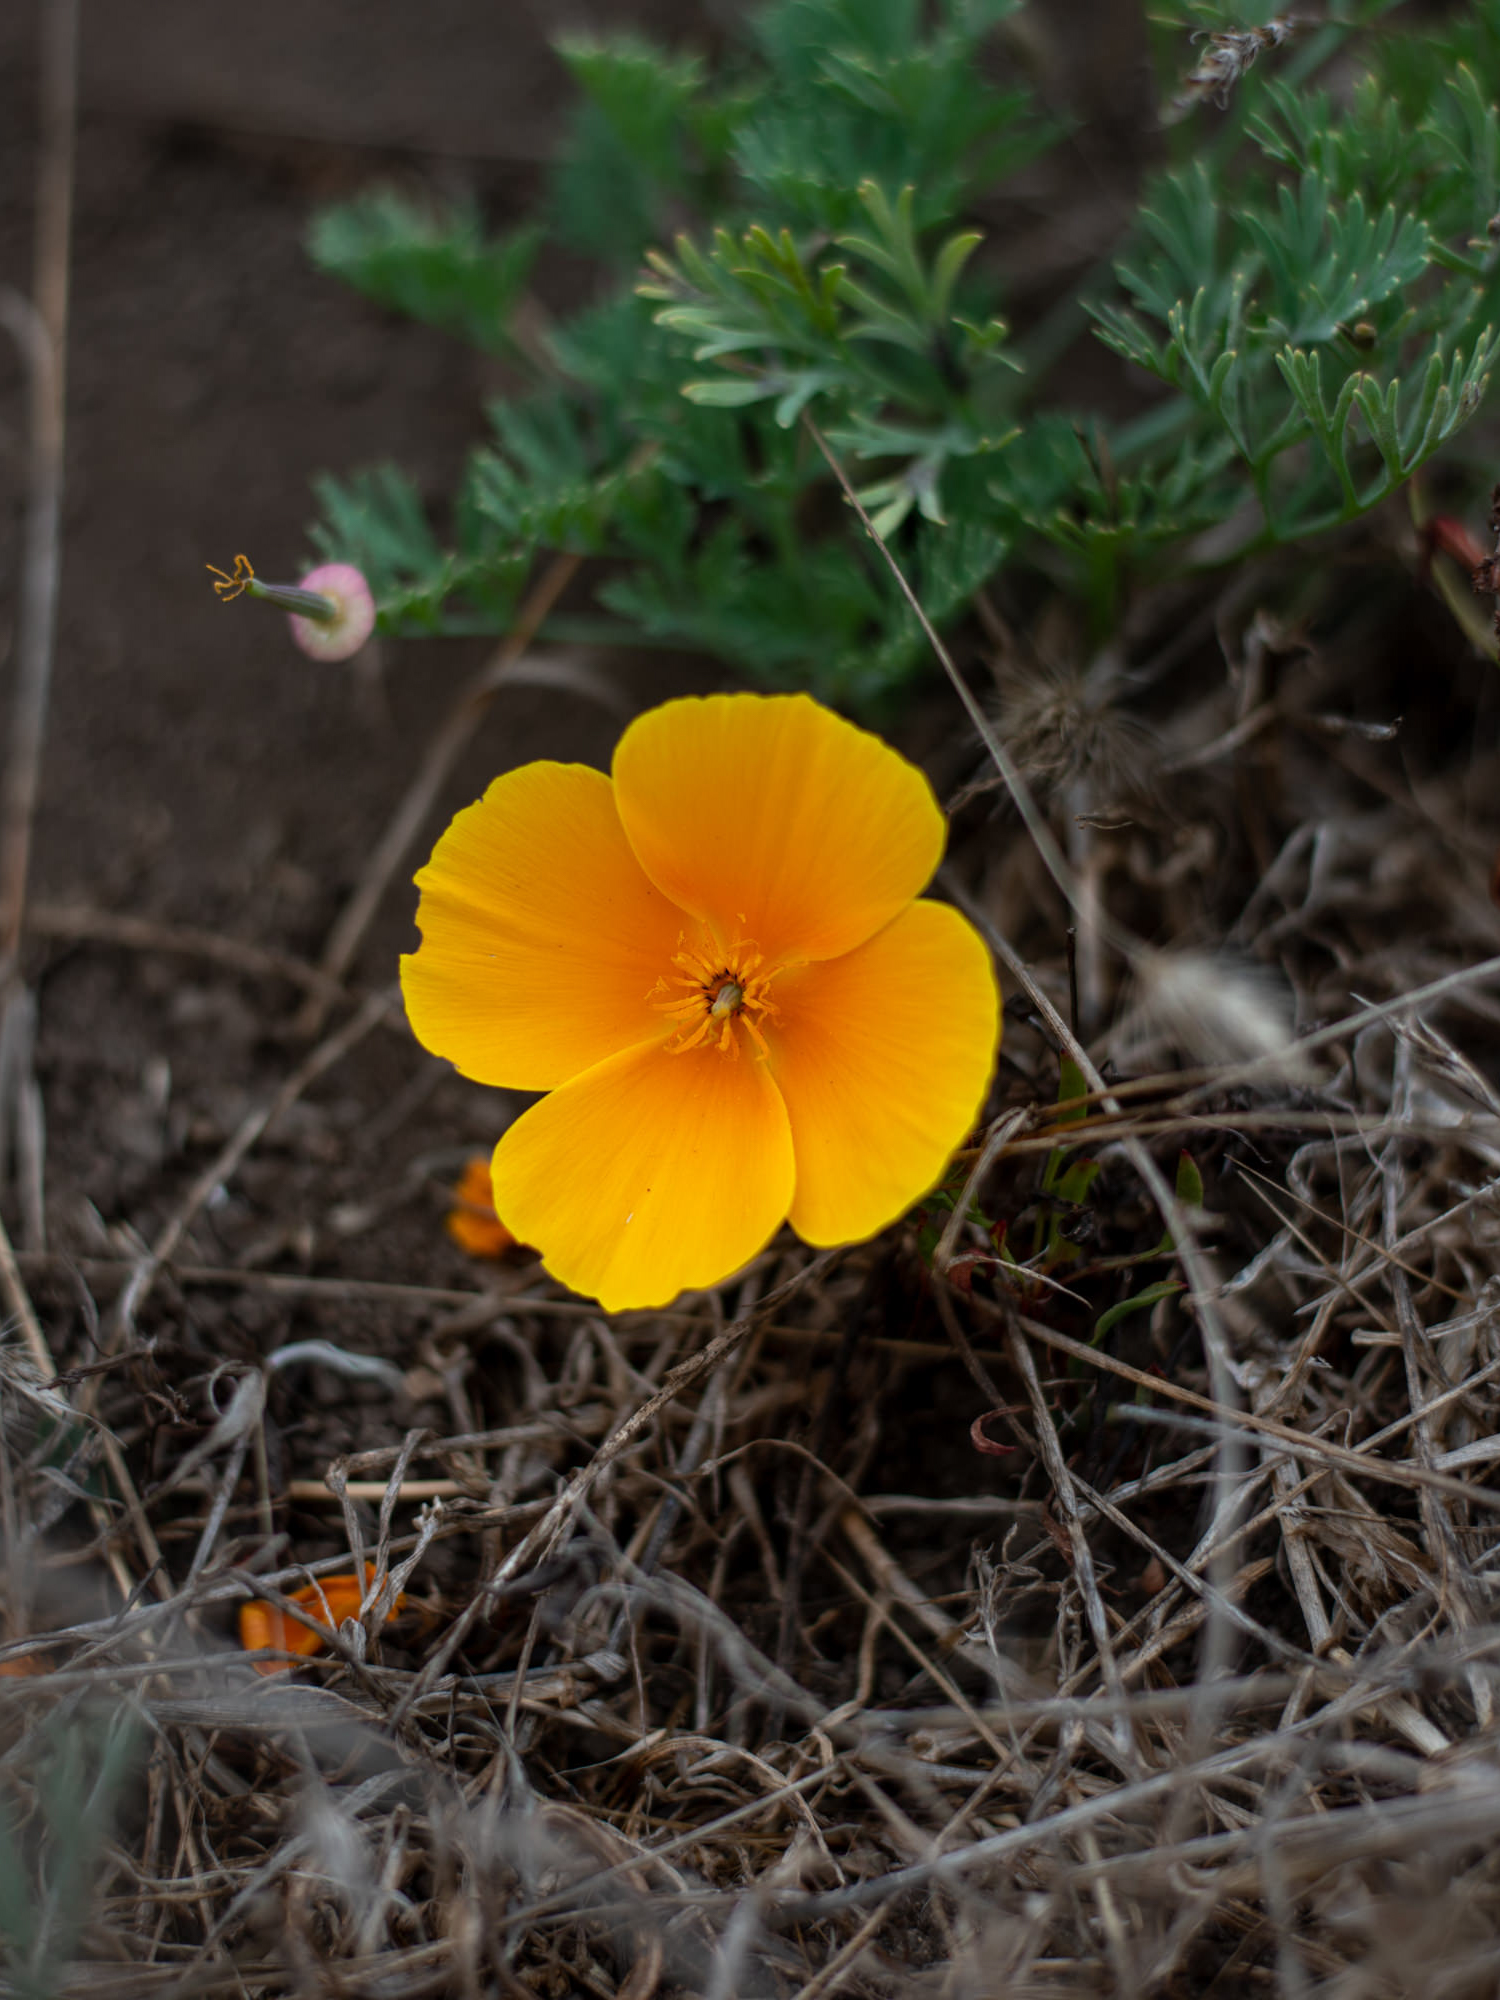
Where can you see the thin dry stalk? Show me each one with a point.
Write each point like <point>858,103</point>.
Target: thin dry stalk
<point>40,329</point>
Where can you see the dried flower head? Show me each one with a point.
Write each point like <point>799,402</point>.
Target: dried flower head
<point>717,964</point>
<point>1065,730</point>
<point>331,611</point>
<point>1227,54</point>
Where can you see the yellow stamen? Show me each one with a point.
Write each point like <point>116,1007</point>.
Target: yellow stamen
<point>712,990</point>
<point>229,587</point>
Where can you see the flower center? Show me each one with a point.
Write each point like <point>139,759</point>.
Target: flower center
<point>713,991</point>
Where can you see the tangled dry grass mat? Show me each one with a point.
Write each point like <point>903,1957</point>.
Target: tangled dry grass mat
<point>861,1631</point>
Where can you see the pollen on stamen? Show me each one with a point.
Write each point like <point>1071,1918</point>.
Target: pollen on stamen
<point>710,990</point>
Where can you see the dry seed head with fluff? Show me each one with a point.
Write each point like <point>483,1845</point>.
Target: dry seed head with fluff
<point>1067,730</point>
<point>1227,54</point>
<point>1213,1009</point>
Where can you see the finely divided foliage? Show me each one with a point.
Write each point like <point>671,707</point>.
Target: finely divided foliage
<point>1313,295</point>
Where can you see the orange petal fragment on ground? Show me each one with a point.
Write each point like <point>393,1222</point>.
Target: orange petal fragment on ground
<point>541,935</point>
<point>775,820</point>
<point>472,1221</point>
<point>21,1666</point>
<point>650,1174</point>
<point>329,1602</point>
<point>883,1057</point>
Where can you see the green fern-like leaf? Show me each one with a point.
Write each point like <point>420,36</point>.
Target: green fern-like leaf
<point>434,265</point>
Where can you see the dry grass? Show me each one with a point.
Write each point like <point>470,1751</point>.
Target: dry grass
<point>732,1660</point>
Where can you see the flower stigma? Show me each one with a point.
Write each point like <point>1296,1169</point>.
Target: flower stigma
<point>711,991</point>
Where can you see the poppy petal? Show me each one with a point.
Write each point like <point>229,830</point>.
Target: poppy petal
<point>776,821</point>
<point>541,936</point>
<point>471,1221</point>
<point>883,1057</point>
<point>650,1174</point>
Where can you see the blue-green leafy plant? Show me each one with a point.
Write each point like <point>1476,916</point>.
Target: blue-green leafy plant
<point>1304,308</point>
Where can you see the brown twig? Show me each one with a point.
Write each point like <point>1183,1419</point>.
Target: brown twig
<point>79,922</point>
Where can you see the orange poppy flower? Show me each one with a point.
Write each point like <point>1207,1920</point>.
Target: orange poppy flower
<point>716,963</point>
<point>330,1601</point>
<point>472,1221</point>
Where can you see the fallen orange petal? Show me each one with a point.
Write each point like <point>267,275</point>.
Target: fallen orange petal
<point>472,1221</point>
<point>24,1664</point>
<point>334,1598</point>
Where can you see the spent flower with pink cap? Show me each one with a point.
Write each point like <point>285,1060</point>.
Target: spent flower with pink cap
<point>331,611</point>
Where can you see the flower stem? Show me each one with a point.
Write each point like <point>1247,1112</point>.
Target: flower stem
<point>305,603</point>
